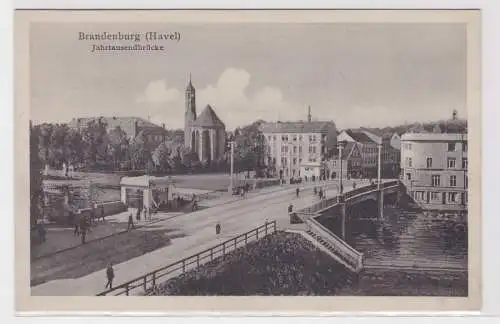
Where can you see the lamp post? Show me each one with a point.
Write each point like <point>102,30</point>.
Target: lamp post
<point>232,167</point>
<point>340,147</point>
<point>379,164</point>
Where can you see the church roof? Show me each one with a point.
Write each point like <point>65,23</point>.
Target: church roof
<point>208,118</point>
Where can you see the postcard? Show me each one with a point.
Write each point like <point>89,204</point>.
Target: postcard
<point>247,161</point>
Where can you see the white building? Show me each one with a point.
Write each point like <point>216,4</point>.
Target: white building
<point>434,169</point>
<point>298,149</point>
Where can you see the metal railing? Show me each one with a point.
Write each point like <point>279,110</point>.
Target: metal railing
<point>150,280</point>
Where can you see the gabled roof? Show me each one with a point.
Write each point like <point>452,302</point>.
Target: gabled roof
<point>360,137</point>
<point>347,150</point>
<point>298,127</point>
<point>208,118</point>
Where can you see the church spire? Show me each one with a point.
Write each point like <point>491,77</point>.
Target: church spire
<point>190,84</point>
<point>309,117</point>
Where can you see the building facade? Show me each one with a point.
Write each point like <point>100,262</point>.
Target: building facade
<point>299,149</point>
<point>204,134</point>
<point>351,163</point>
<point>369,150</point>
<point>434,169</point>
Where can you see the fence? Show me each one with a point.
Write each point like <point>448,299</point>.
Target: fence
<point>150,280</point>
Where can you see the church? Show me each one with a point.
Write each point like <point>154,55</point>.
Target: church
<point>204,134</point>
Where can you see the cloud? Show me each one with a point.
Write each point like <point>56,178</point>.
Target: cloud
<point>229,97</point>
<point>157,92</point>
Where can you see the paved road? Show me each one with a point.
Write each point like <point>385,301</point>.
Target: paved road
<point>199,227</point>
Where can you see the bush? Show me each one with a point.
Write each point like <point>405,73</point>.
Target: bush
<point>279,264</point>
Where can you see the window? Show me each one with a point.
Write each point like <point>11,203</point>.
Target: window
<point>452,196</point>
<point>314,138</point>
<point>465,163</point>
<point>407,146</point>
<point>300,137</point>
<point>310,138</point>
<point>269,138</point>
<point>294,161</point>
<point>453,181</point>
<point>300,160</point>
<point>452,162</point>
<point>408,162</point>
<point>436,180</point>
<point>300,149</point>
<point>295,149</point>
<point>408,176</point>
<point>295,137</point>
<point>286,149</point>
<point>464,146</point>
<point>466,184</point>
<point>314,149</point>
<point>434,195</point>
<point>274,137</point>
<point>429,162</point>
<point>334,163</point>
<point>451,147</point>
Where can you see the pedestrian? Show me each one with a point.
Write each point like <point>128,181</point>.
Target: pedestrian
<point>102,212</point>
<point>217,228</point>
<point>315,191</point>
<point>290,208</point>
<point>320,193</point>
<point>354,185</point>
<point>110,274</point>
<point>76,232</point>
<point>297,191</point>
<point>130,222</point>
<point>138,215</point>
<point>92,214</point>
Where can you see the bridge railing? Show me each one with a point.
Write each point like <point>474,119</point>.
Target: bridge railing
<point>150,280</point>
<point>349,255</point>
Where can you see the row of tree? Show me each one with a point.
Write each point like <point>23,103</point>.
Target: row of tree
<point>97,148</point>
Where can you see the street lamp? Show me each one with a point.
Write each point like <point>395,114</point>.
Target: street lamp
<point>379,164</point>
<point>232,166</point>
<point>340,147</point>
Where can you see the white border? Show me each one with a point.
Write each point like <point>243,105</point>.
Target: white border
<point>491,73</point>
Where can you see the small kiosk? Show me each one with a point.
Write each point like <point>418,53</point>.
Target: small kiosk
<point>157,193</point>
<point>146,191</point>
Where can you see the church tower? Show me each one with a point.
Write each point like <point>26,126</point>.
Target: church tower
<point>190,113</point>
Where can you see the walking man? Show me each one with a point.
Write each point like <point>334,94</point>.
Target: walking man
<point>110,273</point>
<point>130,222</point>
<point>297,191</point>
<point>217,229</point>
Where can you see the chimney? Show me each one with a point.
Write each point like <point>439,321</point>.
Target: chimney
<point>309,114</point>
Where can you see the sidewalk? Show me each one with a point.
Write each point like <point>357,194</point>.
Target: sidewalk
<point>63,238</point>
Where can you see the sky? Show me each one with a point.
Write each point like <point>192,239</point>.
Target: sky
<point>371,75</point>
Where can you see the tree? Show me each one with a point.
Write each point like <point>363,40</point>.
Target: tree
<point>118,146</point>
<point>139,154</point>
<point>161,157</point>
<point>95,141</point>
<point>36,166</point>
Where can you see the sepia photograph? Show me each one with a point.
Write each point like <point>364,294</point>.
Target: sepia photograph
<point>248,154</point>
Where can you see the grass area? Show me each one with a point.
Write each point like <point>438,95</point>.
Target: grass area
<point>287,264</point>
<point>279,264</point>
<point>94,256</point>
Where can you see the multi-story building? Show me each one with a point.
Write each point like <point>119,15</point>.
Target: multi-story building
<point>368,147</point>
<point>299,149</point>
<point>390,154</point>
<point>348,165</point>
<point>434,169</point>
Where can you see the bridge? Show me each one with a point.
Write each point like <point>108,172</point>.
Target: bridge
<point>342,207</point>
<point>236,216</point>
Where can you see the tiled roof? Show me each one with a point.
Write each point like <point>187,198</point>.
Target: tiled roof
<point>360,137</point>
<point>208,118</point>
<point>346,150</point>
<point>297,127</point>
